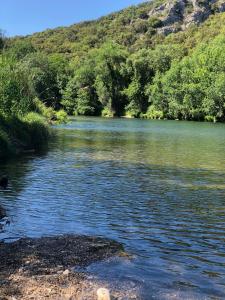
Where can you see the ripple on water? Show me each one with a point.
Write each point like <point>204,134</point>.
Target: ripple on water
<point>157,187</point>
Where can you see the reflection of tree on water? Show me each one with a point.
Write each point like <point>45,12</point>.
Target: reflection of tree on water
<point>2,212</point>
<point>4,182</point>
<point>16,170</point>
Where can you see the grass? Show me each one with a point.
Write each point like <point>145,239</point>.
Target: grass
<point>21,134</point>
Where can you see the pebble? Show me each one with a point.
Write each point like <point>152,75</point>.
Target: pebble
<point>66,272</point>
<point>103,294</point>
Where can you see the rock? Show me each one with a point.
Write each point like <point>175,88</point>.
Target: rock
<point>220,6</point>
<point>176,15</point>
<point>66,272</point>
<point>21,270</point>
<point>199,15</point>
<point>103,294</point>
<point>168,29</point>
<point>175,11</point>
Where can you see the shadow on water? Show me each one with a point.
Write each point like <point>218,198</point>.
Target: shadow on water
<point>16,170</point>
<point>157,187</point>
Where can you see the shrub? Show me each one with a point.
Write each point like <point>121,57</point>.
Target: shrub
<point>61,116</point>
<point>19,134</point>
<point>37,129</point>
<point>155,22</point>
<point>210,119</point>
<point>47,112</point>
<point>106,112</point>
<point>154,113</point>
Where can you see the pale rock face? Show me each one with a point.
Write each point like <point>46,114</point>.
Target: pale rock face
<point>175,12</point>
<point>201,12</point>
<point>177,15</point>
<point>168,29</point>
<point>221,6</point>
<point>157,11</point>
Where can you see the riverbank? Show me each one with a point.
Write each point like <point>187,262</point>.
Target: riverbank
<point>21,135</point>
<point>44,268</point>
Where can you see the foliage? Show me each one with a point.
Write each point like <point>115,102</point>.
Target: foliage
<point>109,80</point>
<point>153,113</point>
<point>61,116</point>
<point>154,22</point>
<point>20,49</point>
<point>97,82</point>
<point>21,127</point>
<point>46,76</point>
<point>22,133</point>
<point>193,89</point>
<point>118,65</point>
<point>15,92</point>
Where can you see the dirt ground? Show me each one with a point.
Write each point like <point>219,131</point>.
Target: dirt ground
<point>44,268</point>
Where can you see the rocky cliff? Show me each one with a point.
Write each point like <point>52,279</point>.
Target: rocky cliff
<point>176,15</point>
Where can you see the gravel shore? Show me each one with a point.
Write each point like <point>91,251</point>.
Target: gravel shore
<point>44,268</point>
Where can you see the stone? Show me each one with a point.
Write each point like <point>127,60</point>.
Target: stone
<point>66,272</point>
<point>177,15</point>
<point>103,294</point>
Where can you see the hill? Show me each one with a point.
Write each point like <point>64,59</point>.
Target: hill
<point>160,59</point>
<point>134,27</point>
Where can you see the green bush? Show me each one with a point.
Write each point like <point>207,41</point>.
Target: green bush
<point>20,134</point>
<point>41,108</point>
<point>37,129</point>
<point>155,22</point>
<point>61,116</point>
<point>106,112</point>
<point>153,113</point>
<point>210,119</point>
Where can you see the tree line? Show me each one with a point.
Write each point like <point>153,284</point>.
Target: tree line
<point>180,76</point>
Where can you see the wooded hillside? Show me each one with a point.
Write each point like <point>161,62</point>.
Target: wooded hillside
<point>160,59</point>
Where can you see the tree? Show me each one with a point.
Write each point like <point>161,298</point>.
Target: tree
<point>43,78</point>
<point>16,97</point>
<point>109,80</point>
<point>194,87</point>
<point>80,96</point>
<point>139,69</point>
<point>20,49</point>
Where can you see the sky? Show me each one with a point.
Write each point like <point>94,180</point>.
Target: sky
<point>22,17</point>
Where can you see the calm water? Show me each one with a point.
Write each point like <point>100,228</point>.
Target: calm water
<point>156,186</point>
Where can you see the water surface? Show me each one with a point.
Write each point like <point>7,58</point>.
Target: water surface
<point>156,186</point>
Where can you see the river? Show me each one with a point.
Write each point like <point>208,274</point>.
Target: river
<point>156,186</point>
